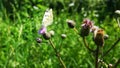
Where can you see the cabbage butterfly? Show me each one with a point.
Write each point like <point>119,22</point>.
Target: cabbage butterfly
<point>47,18</point>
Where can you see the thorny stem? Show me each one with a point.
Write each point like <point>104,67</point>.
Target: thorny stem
<point>57,54</point>
<point>111,47</point>
<point>86,45</point>
<point>116,64</point>
<point>96,57</point>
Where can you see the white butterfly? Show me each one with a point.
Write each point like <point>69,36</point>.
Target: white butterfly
<point>47,18</point>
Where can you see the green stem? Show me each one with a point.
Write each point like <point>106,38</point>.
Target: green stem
<point>86,45</point>
<point>75,30</point>
<point>111,47</point>
<point>57,54</point>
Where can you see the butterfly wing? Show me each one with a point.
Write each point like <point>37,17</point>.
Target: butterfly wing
<point>47,18</point>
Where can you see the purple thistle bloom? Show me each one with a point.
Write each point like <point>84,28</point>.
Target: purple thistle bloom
<point>42,30</point>
<point>86,26</point>
<point>87,23</point>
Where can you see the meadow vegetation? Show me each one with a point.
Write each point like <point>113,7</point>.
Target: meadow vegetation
<point>21,20</point>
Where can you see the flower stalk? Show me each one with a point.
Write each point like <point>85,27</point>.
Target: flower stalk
<point>76,30</point>
<point>86,45</point>
<point>57,54</point>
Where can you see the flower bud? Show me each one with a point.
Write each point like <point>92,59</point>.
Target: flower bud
<point>39,40</point>
<point>84,32</point>
<point>99,37</point>
<point>63,36</point>
<point>71,23</point>
<point>47,36</point>
<point>117,11</point>
<point>106,37</point>
<point>110,66</point>
<point>52,33</point>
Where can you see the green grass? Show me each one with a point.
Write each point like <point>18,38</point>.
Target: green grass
<point>19,49</point>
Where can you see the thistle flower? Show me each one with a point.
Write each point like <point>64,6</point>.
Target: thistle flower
<point>70,23</point>
<point>43,30</point>
<point>86,26</point>
<point>99,37</point>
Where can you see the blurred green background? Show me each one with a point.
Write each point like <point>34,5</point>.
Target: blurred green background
<point>20,21</point>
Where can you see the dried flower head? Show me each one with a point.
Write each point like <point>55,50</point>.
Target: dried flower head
<point>71,23</point>
<point>86,26</point>
<point>99,37</point>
